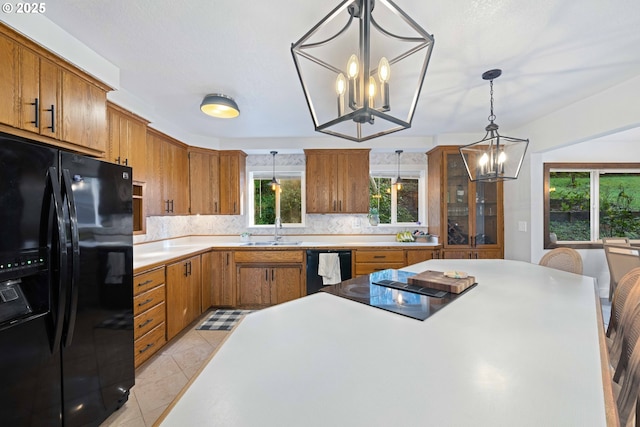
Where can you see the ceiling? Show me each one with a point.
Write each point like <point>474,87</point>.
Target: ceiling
<point>172,53</point>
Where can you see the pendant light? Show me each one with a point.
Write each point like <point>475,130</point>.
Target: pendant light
<point>495,157</point>
<point>274,182</point>
<point>398,182</point>
<point>361,68</point>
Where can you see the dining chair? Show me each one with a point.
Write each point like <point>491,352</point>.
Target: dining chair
<point>625,300</point>
<point>619,241</point>
<point>627,394</point>
<point>565,259</point>
<point>620,260</point>
<point>630,333</point>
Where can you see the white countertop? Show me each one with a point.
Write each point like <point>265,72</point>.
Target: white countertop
<point>157,252</point>
<point>521,348</point>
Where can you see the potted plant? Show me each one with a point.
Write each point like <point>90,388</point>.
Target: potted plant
<point>374,216</point>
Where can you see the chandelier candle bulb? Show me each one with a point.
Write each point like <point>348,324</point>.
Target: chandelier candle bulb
<point>341,86</point>
<point>352,72</point>
<point>384,73</point>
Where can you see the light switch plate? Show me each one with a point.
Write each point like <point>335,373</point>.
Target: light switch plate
<point>522,226</point>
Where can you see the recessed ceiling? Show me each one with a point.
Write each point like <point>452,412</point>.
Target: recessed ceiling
<point>171,54</point>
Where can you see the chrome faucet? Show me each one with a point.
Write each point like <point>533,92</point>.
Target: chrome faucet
<point>278,224</point>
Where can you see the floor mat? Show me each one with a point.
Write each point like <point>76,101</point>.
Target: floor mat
<point>223,320</point>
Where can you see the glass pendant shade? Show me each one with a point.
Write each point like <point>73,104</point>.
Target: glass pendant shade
<point>495,157</point>
<point>359,46</point>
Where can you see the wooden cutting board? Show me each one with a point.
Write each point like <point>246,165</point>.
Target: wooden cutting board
<point>437,280</point>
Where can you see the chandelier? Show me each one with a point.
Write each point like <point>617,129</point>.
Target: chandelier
<point>495,157</point>
<point>360,77</point>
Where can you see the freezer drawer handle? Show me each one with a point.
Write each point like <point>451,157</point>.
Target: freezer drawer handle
<point>146,282</point>
<point>145,302</point>
<point>146,348</point>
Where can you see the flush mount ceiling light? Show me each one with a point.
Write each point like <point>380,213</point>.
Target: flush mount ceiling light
<point>398,182</point>
<point>219,105</point>
<point>495,157</point>
<point>274,182</point>
<point>363,81</point>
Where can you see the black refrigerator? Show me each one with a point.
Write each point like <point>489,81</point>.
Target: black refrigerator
<point>66,273</point>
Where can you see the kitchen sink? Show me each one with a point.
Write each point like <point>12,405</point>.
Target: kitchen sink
<point>271,243</point>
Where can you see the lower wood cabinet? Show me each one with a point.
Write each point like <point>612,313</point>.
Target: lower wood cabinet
<point>149,326</point>
<point>266,278</point>
<point>370,260</point>
<point>472,254</point>
<point>415,256</point>
<point>183,294</point>
<point>218,279</point>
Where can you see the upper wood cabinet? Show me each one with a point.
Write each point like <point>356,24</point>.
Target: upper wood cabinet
<point>45,98</point>
<point>468,216</point>
<point>127,143</point>
<point>337,181</point>
<point>204,181</point>
<point>167,189</point>
<point>232,170</point>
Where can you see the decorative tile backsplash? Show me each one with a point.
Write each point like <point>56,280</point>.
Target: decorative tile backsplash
<point>167,227</point>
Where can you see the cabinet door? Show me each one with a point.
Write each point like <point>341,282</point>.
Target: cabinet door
<point>155,204</point>
<point>321,182</point>
<point>286,284</point>
<point>206,289</point>
<point>50,102</point>
<point>253,285</point>
<point>177,295</point>
<point>232,169</point>
<point>175,161</point>
<point>457,202</point>
<point>353,182</point>
<point>223,290</point>
<point>136,148</point>
<point>84,113</point>
<point>200,183</point>
<point>9,82</point>
<point>29,91</point>
<point>194,299</point>
<point>415,256</point>
<point>114,136</point>
<point>215,182</point>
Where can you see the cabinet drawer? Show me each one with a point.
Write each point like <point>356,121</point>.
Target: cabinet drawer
<point>380,256</point>
<point>147,280</point>
<point>269,256</point>
<point>149,343</point>
<point>148,299</point>
<point>370,267</point>
<point>148,320</point>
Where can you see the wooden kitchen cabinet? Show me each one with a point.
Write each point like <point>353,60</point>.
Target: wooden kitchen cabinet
<point>204,181</point>
<point>232,170</point>
<point>337,181</point>
<point>149,326</point>
<point>127,140</point>
<point>167,189</point>
<point>468,216</point>
<point>221,282</point>
<point>266,278</point>
<point>45,98</point>
<point>369,260</point>
<point>183,294</point>
<point>417,255</point>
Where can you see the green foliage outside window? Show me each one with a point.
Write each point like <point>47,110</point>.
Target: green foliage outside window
<point>265,201</point>
<point>380,197</point>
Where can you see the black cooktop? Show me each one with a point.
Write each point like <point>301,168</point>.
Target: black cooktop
<point>387,290</point>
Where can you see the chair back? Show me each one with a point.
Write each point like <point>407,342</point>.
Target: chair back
<point>621,259</point>
<point>627,308</point>
<point>565,259</point>
<point>629,392</point>
<point>621,241</point>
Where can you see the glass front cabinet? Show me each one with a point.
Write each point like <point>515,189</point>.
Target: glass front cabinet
<point>467,216</point>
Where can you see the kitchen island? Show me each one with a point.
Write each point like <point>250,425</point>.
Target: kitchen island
<point>520,348</point>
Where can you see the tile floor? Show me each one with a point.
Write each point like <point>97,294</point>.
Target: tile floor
<point>162,377</point>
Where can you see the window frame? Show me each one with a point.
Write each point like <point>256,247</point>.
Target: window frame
<point>383,171</point>
<point>582,167</point>
<point>268,174</point>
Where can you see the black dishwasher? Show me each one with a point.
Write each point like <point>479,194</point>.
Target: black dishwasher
<point>314,281</point>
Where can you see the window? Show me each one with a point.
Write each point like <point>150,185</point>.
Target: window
<point>397,206</point>
<point>586,202</point>
<point>285,203</point>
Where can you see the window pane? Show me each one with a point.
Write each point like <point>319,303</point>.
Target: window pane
<point>620,205</point>
<point>408,201</point>
<point>264,202</point>
<point>570,205</point>
<point>380,198</point>
<point>291,200</point>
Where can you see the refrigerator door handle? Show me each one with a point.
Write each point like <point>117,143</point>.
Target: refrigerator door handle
<point>75,257</point>
<point>53,194</point>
